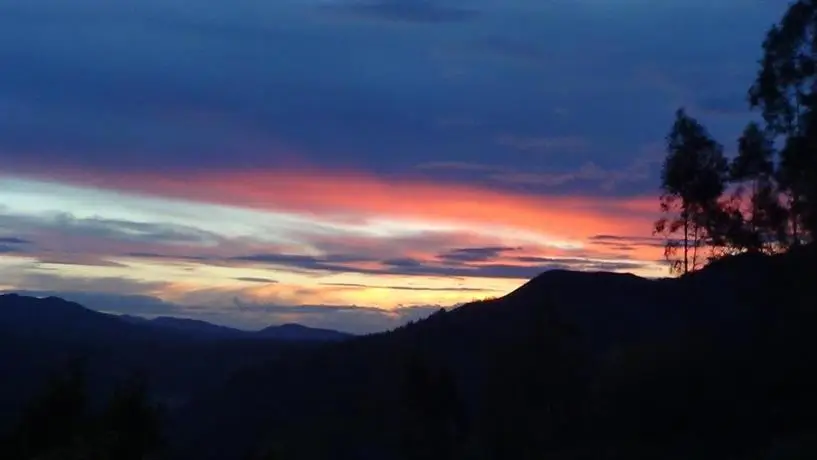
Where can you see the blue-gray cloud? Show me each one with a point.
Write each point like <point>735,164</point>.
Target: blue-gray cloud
<point>477,263</point>
<point>152,85</point>
<point>13,240</point>
<point>66,224</point>
<point>475,254</point>
<point>419,11</point>
<point>254,279</point>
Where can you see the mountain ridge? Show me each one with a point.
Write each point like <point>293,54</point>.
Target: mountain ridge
<point>29,310</point>
<point>607,333</point>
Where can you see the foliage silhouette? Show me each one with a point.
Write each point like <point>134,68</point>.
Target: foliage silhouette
<point>693,177</point>
<point>784,91</point>
<point>62,425</point>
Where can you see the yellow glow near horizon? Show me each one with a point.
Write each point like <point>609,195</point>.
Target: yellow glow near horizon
<point>412,227</point>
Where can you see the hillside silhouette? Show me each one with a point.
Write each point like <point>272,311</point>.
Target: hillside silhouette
<point>180,356</point>
<point>719,363</point>
<point>716,364</point>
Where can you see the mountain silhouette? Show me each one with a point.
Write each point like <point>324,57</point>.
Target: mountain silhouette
<point>719,363</point>
<point>577,364</point>
<point>181,356</point>
<point>299,332</point>
<point>198,328</point>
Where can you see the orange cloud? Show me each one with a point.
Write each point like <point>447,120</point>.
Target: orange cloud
<point>356,195</point>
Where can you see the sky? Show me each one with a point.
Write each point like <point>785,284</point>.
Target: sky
<point>351,164</point>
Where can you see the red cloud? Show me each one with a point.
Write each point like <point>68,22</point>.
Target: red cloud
<point>354,194</point>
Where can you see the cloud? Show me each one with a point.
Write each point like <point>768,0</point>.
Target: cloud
<point>445,239</point>
<point>639,171</point>
<point>166,106</point>
<point>623,239</point>
<point>338,263</point>
<point>250,279</point>
<point>525,51</point>
<point>608,179</point>
<point>556,263</point>
<point>12,245</point>
<point>411,11</point>
<point>405,288</point>
<point>562,145</point>
<point>177,123</point>
<point>13,240</point>
<point>63,239</point>
<point>475,254</point>
<point>348,193</point>
<point>65,223</point>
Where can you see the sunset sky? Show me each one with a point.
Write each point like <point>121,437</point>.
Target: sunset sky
<point>346,164</point>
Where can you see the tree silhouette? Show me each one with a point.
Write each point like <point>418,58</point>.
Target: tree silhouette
<point>758,225</point>
<point>55,421</point>
<point>692,179</point>
<point>784,91</point>
<point>131,423</point>
<point>60,424</point>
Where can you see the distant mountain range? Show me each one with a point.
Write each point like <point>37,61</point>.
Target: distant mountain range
<point>54,315</point>
<point>200,328</point>
<point>182,356</point>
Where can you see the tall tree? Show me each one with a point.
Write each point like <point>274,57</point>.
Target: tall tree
<point>785,90</point>
<point>757,226</point>
<point>693,177</point>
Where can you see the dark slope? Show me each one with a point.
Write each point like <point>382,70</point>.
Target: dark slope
<point>717,362</point>
<point>190,327</point>
<point>301,333</point>
<point>203,329</point>
<point>179,357</point>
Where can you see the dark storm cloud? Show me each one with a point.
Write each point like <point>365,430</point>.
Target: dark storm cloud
<point>155,85</point>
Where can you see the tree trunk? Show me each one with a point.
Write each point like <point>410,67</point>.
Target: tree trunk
<point>695,240</point>
<point>686,241</point>
<point>795,215</point>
